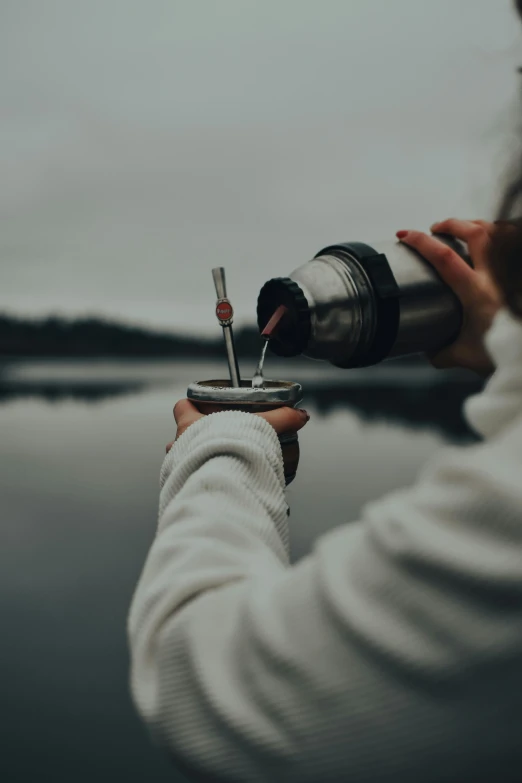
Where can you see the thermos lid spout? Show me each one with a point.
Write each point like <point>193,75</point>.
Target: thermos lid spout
<point>293,331</point>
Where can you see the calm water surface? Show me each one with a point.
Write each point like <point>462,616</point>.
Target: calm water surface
<point>80,460</point>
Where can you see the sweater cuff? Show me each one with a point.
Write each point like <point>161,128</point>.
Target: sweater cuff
<point>217,433</point>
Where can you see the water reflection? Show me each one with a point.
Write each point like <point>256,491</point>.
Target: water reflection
<point>434,405</point>
<point>53,393</point>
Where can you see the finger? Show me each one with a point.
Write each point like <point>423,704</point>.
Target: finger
<point>450,266</point>
<point>185,413</point>
<point>473,232</point>
<point>286,419</point>
<point>489,227</point>
<point>169,446</point>
<point>185,410</point>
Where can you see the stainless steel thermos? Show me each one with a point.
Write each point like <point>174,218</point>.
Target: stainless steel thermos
<point>356,304</point>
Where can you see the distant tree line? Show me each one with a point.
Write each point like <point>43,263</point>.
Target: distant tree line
<point>95,337</point>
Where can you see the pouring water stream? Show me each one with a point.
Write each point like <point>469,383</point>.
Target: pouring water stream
<point>258,380</point>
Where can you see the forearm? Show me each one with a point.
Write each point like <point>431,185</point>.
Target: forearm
<point>223,518</point>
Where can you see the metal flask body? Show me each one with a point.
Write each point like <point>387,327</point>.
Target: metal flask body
<point>355,305</point>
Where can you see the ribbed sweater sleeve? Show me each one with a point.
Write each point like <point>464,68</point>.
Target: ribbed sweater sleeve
<point>391,653</point>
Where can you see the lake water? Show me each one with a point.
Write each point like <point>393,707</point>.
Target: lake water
<point>80,449</point>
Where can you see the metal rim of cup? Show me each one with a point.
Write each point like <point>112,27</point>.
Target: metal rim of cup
<point>286,392</point>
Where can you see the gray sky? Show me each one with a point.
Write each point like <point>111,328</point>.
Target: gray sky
<point>143,143</point>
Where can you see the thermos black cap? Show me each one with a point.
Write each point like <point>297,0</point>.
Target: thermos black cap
<point>293,333</point>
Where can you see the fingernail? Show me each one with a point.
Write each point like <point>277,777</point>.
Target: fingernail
<point>434,225</point>
<point>304,413</point>
<point>401,234</point>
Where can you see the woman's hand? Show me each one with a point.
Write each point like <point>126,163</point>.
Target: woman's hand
<point>478,294</point>
<point>281,419</point>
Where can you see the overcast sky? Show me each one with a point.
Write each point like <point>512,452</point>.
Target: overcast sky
<point>143,143</point>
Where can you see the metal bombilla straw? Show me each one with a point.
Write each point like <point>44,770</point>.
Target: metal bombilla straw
<point>225,316</point>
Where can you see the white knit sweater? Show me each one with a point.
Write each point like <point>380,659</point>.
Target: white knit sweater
<point>392,653</point>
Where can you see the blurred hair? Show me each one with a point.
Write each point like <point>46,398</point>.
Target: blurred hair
<point>506,248</point>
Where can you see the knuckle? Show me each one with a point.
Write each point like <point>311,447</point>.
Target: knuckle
<point>446,254</point>
<point>476,231</point>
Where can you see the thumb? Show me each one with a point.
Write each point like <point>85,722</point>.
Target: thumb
<point>185,414</point>
<point>286,419</point>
